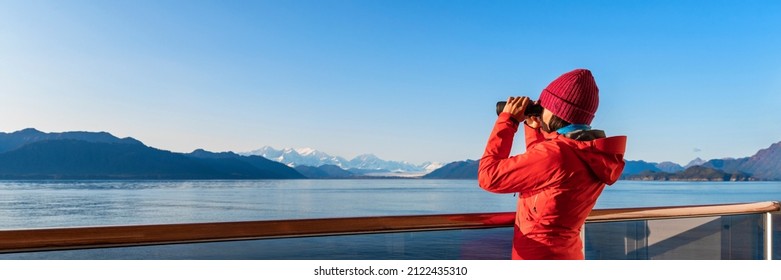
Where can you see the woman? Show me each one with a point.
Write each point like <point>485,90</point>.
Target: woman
<point>563,171</point>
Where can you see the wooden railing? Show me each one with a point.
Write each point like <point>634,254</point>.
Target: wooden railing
<point>670,212</point>
<point>28,240</point>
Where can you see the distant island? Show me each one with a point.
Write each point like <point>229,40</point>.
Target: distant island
<point>694,173</point>
<point>32,154</point>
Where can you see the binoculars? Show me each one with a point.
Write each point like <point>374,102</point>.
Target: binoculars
<point>531,109</point>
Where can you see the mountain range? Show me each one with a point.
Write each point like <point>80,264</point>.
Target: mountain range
<point>764,165</point>
<point>15,140</point>
<point>638,166</point>
<point>32,154</point>
<point>362,164</point>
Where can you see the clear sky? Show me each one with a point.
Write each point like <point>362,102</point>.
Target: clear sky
<point>405,80</point>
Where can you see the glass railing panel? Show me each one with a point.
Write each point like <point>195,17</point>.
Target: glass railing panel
<point>745,237</point>
<point>473,244</point>
<point>616,241</point>
<point>705,238</point>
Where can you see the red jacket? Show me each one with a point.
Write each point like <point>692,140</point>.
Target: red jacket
<point>559,180</point>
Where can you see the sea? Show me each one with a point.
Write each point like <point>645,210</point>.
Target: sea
<point>52,204</point>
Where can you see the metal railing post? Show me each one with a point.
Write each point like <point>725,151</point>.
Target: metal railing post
<point>583,239</point>
<point>768,236</point>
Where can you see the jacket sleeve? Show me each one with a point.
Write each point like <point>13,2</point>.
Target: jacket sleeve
<point>528,172</point>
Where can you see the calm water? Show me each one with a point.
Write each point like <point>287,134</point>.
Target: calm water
<point>39,204</point>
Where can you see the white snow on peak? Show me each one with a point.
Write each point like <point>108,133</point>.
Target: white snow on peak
<point>433,166</point>
<point>305,151</point>
<point>313,157</point>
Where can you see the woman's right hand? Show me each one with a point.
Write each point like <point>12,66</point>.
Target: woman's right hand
<point>534,121</point>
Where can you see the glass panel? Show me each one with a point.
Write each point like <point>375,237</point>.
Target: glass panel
<point>430,245</point>
<point>708,238</point>
<point>616,241</point>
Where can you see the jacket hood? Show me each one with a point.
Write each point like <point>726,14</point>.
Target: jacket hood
<point>604,156</point>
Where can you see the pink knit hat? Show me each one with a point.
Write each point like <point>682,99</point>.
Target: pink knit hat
<point>573,97</point>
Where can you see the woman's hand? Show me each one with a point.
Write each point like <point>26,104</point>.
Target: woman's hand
<point>516,106</point>
<point>534,121</point>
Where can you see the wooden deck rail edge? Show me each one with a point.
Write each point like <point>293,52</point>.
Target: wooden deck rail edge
<point>28,240</point>
<point>671,212</point>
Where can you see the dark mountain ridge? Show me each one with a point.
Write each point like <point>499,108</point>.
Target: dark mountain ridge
<point>455,170</point>
<point>327,171</point>
<point>252,166</point>
<point>15,140</point>
<point>639,166</point>
<point>764,165</point>
<point>77,159</point>
<point>31,154</point>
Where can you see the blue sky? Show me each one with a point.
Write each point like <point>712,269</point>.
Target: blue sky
<point>405,80</point>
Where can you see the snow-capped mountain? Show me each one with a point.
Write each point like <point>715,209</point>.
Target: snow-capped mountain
<point>297,157</point>
<point>312,157</point>
<point>431,166</point>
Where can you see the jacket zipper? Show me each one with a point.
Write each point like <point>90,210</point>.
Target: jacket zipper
<point>534,204</point>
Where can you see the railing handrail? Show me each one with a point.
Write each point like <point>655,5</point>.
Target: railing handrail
<point>675,212</point>
<point>27,240</point>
